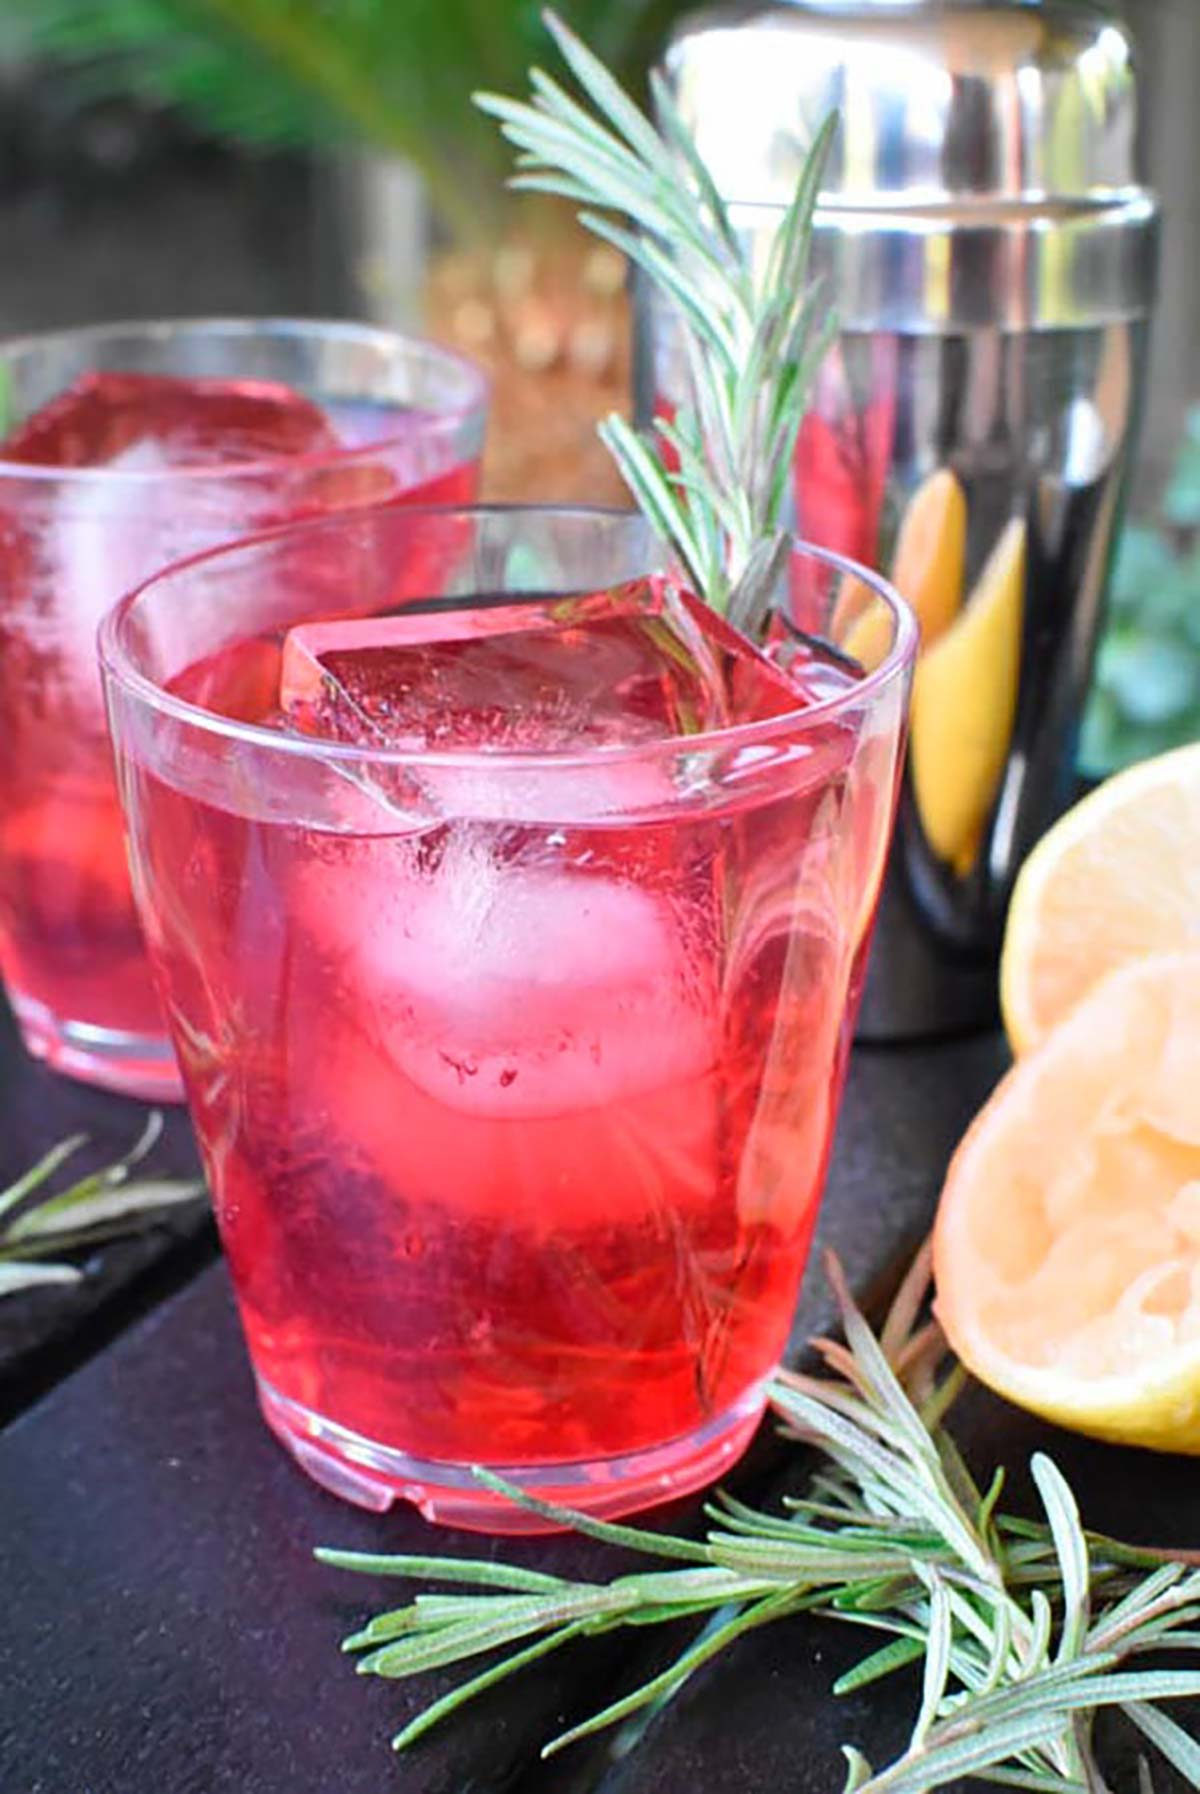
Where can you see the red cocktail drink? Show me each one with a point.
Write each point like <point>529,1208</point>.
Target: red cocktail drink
<point>510,944</point>
<point>218,431</point>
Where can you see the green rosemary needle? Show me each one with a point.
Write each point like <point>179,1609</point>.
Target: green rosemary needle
<point>106,1204</point>
<point>1024,1629</point>
<point>712,481</point>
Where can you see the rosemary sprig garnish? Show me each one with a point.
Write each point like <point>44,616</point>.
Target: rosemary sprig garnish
<point>106,1204</point>
<point>1024,1629</point>
<point>751,337</point>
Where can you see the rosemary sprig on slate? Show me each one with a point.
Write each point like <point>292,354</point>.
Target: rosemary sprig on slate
<point>751,337</point>
<point>1024,1629</point>
<point>35,1228</point>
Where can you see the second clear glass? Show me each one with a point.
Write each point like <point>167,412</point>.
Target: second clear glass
<point>407,423</point>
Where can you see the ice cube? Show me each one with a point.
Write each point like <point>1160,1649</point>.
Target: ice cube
<point>592,676</point>
<point>161,419</point>
<point>544,675</point>
<point>568,676</point>
<point>72,547</point>
<point>513,991</point>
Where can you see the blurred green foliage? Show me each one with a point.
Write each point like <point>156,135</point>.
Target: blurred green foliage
<point>394,74</point>
<point>1146,694</point>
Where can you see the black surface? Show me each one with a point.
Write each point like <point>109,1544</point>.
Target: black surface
<point>44,1333</point>
<point>166,1628</point>
<point>903,1112</point>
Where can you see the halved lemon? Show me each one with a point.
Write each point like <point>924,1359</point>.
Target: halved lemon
<point>1117,878</point>
<point>1067,1243</point>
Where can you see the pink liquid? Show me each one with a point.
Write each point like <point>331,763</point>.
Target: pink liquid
<point>70,944</point>
<point>516,1131</point>
<point>71,949</point>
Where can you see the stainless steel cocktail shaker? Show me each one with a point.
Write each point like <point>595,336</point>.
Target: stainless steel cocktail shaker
<point>992,259</point>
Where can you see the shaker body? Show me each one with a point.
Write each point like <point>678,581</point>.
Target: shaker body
<point>992,261</point>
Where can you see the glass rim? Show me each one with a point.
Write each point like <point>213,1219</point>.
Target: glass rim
<point>119,668</point>
<point>442,422</point>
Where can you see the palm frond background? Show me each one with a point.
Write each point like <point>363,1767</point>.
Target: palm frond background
<point>394,74</point>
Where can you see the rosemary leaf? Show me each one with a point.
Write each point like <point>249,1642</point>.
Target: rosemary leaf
<point>479,1571</point>
<point>937,1662</point>
<point>37,1174</point>
<point>1071,1547</point>
<point>487,1678</point>
<point>751,339</point>
<point>670,1681</point>
<point>96,1208</point>
<point>883,1662</point>
<point>104,1205</point>
<point>14,1277</point>
<point>1179,1747</point>
<point>633,1538</point>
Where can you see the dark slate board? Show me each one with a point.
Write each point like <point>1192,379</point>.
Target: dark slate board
<point>45,1333</point>
<point>166,1627</point>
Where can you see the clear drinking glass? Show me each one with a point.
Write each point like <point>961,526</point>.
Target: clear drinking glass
<point>514,1049</point>
<point>99,487</point>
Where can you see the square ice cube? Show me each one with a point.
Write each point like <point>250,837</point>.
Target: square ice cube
<point>591,675</point>
<point>165,419</point>
<point>538,674</point>
<point>510,990</point>
<point>73,546</point>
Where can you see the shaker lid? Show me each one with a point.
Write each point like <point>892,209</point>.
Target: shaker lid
<point>984,170</point>
<point>941,100</point>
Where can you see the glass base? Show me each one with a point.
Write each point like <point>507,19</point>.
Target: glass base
<point>374,1476</point>
<point>141,1065</point>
